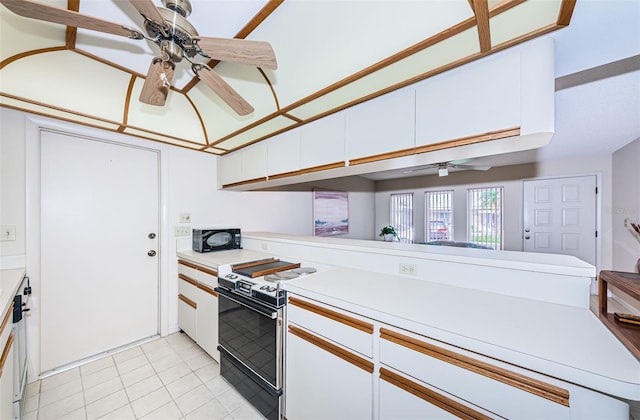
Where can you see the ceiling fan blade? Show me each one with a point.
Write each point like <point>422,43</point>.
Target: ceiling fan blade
<point>472,167</point>
<point>157,83</point>
<point>243,51</point>
<point>35,10</point>
<point>225,91</point>
<point>148,10</point>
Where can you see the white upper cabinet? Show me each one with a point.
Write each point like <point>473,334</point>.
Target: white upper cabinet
<point>254,161</point>
<point>322,141</point>
<point>472,100</point>
<point>283,153</point>
<point>229,169</point>
<point>382,125</point>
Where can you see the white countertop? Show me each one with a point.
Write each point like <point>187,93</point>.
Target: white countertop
<point>558,340</point>
<point>543,263</point>
<point>214,259</point>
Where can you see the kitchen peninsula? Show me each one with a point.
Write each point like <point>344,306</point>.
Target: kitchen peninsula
<point>471,331</point>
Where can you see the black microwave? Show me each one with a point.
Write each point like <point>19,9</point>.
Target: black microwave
<point>209,240</point>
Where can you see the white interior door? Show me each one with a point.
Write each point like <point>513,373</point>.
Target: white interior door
<point>100,203</point>
<point>560,216</point>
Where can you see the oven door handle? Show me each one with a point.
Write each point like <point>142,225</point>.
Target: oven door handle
<point>247,303</point>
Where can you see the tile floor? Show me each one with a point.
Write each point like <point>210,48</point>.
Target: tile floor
<point>167,378</point>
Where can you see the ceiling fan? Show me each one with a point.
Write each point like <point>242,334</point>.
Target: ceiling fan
<point>443,167</point>
<point>177,38</point>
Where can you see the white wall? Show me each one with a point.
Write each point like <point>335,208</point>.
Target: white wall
<point>509,177</point>
<point>188,184</point>
<point>626,206</point>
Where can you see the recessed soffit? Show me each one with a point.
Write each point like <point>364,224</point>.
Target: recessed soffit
<point>331,55</point>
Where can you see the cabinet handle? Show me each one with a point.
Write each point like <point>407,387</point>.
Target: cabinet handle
<point>188,301</point>
<point>336,316</point>
<point>332,348</point>
<point>516,380</point>
<point>431,396</point>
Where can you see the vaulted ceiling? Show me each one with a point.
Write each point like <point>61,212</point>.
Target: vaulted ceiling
<point>331,55</point>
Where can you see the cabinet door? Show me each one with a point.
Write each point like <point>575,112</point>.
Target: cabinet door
<point>229,168</point>
<point>283,153</point>
<point>207,322</point>
<point>473,100</point>
<point>319,377</point>
<point>187,305</point>
<point>382,125</point>
<point>322,141</point>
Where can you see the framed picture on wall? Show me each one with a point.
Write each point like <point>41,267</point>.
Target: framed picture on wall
<point>330,212</point>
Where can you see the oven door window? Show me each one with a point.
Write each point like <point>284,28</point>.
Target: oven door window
<point>249,336</point>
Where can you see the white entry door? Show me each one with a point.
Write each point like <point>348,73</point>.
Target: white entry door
<point>99,244</point>
<point>560,216</point>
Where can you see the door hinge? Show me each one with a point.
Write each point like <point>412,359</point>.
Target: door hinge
<point>596,190</point>
<point>596,233</point>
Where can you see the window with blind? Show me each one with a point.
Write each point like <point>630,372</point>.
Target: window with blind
<point>484,219</point>
<point>438,206</point>
<point>401,215</point>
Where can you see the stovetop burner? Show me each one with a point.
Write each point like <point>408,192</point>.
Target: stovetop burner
<point>289,274</point>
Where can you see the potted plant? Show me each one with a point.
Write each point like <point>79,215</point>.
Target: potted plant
<point>388,233</point>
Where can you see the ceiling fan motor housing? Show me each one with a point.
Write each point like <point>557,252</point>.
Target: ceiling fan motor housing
<point>177,41</point>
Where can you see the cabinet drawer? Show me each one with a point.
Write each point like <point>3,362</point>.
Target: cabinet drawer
<point>495,388</point>
<point>187,268</point>
<point>187,316</point>
<point>207,276</point>
<point>339,326</point>
<point>187,286</point>
<point>404,398</point>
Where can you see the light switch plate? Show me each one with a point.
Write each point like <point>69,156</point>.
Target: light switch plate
<point>8,233</point>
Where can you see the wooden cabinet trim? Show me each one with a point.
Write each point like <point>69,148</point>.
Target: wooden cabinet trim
<point>248,181</point>
<point>336,316</point>
<point>430,396</point>
<point>309,170</point>
<point>188,264</point>
<point>463,141</point>
<point>5,352</point>
<point>533,386</point>
<point>187,301</point>
<point>207,270</point>
<point>188,279</point>
<point>207,289</point>
<point>7,317</point>
<point>363,364</point>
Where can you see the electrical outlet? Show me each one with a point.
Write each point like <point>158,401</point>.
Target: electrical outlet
<point>8,233</point>
<point>409,269</point>
<point>181,231</point>
<point>185,217</point>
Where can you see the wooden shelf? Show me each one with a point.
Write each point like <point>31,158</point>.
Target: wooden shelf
<point>629,283</point>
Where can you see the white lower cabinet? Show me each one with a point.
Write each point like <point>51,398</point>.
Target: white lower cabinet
<point>198,305</point>
<point>324,377</point>
<point>342,365</point>
<point>207,326</point>
<point>325,381</point>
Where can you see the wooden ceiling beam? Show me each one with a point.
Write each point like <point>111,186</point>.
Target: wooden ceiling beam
<point>72,32</point>
<point>481,10</point>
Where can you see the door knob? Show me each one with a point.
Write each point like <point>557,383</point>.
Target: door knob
<point>152,235</point>
<point>527,230</point>
<point>151,253</point>
<point>527,237</point>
